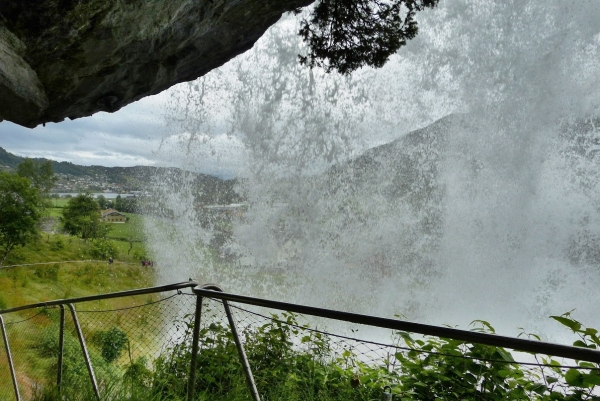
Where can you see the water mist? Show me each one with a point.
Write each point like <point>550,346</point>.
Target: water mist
<point>459,182</point>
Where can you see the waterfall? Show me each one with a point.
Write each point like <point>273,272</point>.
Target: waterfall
<point>458,182</point>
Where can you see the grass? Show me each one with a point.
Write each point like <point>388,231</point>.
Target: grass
<point>29,284</point>
<point>34,328</point>
<point>47,278</point>
<point>59,202</point>
<point>33,284</point>
<point>128,237</point>
<point>133,228</point>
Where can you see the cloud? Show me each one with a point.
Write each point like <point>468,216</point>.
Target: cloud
<point>125,138</point>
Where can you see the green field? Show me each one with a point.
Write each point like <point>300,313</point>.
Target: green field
<point>128,237</point>
<point>59,202</point>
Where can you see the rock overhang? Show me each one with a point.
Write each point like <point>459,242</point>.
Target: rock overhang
<point>70,59</point>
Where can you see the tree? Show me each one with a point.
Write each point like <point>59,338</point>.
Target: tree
<point>81,217</point>
<point>41,174</point>
<point>19,212</point>
<point>119,203</point>
<point>345,35</point>
<point>102,202</point>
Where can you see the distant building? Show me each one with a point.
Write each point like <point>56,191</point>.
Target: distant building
<point>112,216</point>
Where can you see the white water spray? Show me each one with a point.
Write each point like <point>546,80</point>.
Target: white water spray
<point>492,212</point>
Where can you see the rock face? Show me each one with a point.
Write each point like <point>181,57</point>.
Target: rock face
<point>72,58</point>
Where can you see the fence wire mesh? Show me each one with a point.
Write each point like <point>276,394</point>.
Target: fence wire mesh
<point>141,347</point>
<point>123,336</point>
<point>343,361</point>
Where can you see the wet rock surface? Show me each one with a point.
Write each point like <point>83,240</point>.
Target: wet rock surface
<point>70,59</point>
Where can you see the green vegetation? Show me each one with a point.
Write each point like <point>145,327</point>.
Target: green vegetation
<point>125,239</point>
<point>41,266</point>
<point>33,344</point>
<point>59,202</point>
<point>292,362</point>
<point>19,213</point>
<point>46,278</point>
<point>345,35</point>
<point>40,174</point>
<point>82,218</point>
<point>112,343</point>
<point>23,201</point>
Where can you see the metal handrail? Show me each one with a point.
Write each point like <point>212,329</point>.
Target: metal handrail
<point>519,344</point>
<point>128,293</point>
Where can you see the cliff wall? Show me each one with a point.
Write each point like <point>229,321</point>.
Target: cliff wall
<point>70,58</point>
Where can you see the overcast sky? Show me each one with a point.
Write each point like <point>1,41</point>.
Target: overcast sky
<point>124,138</point>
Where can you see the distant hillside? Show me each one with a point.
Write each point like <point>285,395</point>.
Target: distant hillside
<point>8,159</point>
<point>209,189</point>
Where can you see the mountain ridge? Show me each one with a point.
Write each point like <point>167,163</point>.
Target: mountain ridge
<point>210,189</point>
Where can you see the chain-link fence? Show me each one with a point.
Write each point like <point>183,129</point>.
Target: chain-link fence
<point>160,345</point>
<point>119,335</point>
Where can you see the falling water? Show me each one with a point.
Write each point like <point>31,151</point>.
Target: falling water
<point>459,182</point>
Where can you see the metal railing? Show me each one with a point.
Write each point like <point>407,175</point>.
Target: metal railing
<point>38,328</point>
<point>517,344</point>
<point>174,318</point>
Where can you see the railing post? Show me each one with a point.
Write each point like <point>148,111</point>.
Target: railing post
<point>10,362</point>
<point>194,358</point>
<point>236,339</point>
<point>61,346</point>
<point>86,356</point>
<point>241,353</point>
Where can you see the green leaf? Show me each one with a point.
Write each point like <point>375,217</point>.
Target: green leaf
<point>587,365</point>
<point>537,388</point>
<point>504,373</point>
<point>505,354</point>
<point>591,379</point>
<point>406,337</point>
<point>486,327</point>
<point>574,378</point>
<point>570,323</point>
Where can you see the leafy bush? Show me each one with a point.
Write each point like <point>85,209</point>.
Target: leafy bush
<point>111,343</point>
<point>137,375</point>
<point>104,249</point>
<point>431,368</point>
